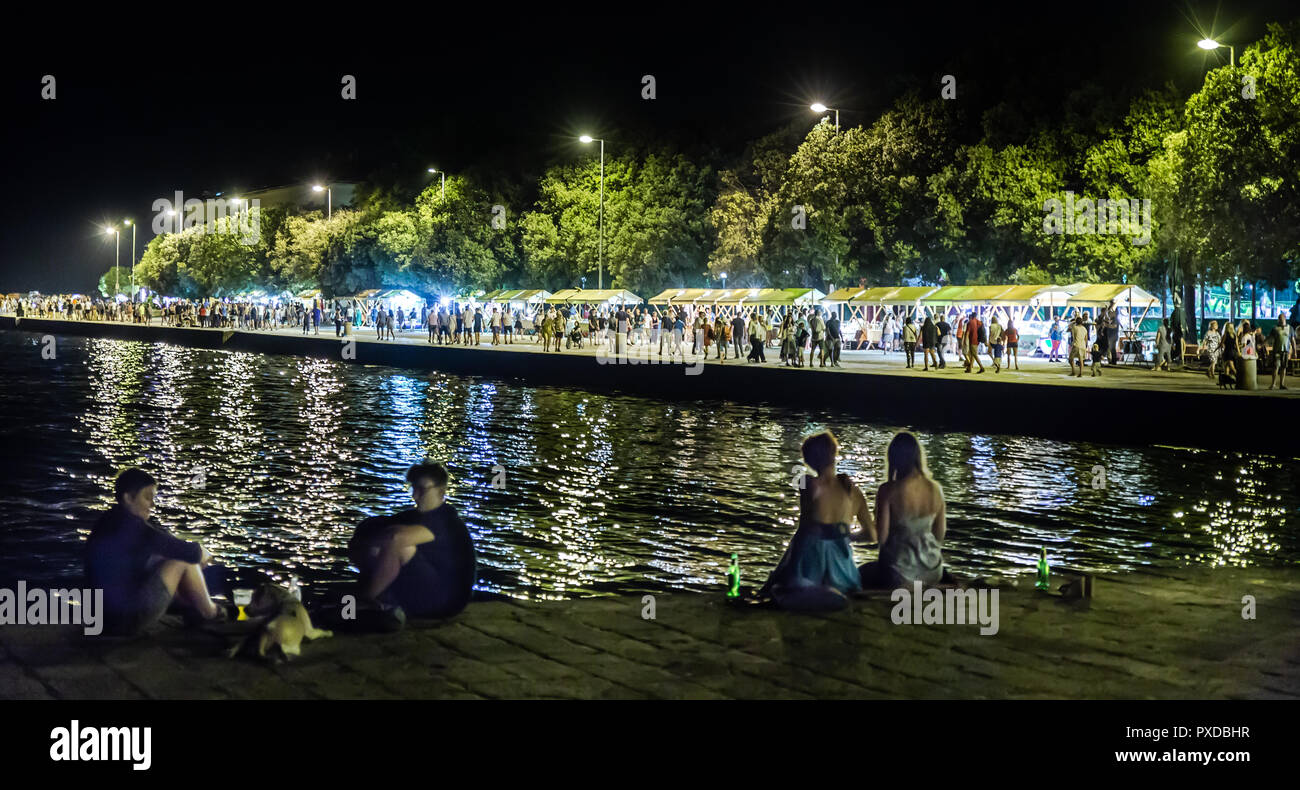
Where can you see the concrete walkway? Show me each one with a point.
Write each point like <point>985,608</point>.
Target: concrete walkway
<point>1177,635</point>
<point>1035,370</point>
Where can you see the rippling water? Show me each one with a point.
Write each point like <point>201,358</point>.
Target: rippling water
<point>271,461</point>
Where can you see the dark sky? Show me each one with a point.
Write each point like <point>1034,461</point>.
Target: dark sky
<point>145,109</point>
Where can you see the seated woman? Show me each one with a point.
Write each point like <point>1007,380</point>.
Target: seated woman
<point>818,569</point>
<point>421,560</point>
<point>141,567</point>
<point>910,520</point>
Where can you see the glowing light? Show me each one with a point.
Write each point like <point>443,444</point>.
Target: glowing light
<point>818,107</point>
<point>586,138</point>
<point>1208,43</point>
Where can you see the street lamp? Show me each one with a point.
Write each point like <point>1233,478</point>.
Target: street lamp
<point>329,199</point>
<point>818,107</point>
<point>1210,44</point>
<point>724,280</point>
<point>443,175</point>
<point>132,224</point>
<point>171,212</point>
<point>117,259</point>
<point>600,251</point>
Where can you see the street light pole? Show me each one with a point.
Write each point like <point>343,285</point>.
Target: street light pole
<point>329,199</point>
<point>132,224</point>
<point>819,107</point>
<point>443,185</point>
<point>1210,44</point>
<point>600,250</point>
<point>117,259</point>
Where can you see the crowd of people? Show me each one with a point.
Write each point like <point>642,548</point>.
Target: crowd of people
<point>800,335</point>
<point>421,562</point>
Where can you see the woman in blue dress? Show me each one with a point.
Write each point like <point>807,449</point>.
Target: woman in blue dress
<point>818,568</point>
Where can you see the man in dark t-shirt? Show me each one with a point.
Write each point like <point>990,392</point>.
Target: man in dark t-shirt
<point>421,560</point>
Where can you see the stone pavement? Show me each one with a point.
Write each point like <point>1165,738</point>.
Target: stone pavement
<point>1169,634</point>
<point>1036,370</point>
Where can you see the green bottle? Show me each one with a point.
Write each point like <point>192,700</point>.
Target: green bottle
<point>733,577</point>
<point>1043,573</point>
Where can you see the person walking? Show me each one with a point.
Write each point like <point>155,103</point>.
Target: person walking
<point>974,328</point>
<point>1213,342</point>
<point>1280,338</point>
<point>1163,345</point>
<point>818,329</point>
<point>929,339</point>
<point>720,336</point>
<point>834,340</point>
<point>1011,337</point>
<point>995,343</point>
<point>887,334</point>
<point>945,337</point>
<point>1078,345</point>
<point>757,337</point>
<point>737,334</point>
<point>909,341</point>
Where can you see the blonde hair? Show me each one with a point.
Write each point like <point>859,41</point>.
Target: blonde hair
<point>905,456</point>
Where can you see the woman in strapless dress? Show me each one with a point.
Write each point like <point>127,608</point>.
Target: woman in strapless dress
<point>910,521</point>
<point>817,569</point>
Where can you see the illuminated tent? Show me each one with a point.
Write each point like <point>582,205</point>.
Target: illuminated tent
<point>594,296</point>
<point>527,297</point>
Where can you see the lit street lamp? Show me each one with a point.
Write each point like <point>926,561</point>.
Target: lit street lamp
<point>600,252</point>
<point>724,280</point>
<point>132,224</point>
<point>329,199</point>
<point>117,258</point>
<point>822,108</point>
<point>444,180</point>
<point>1211,44</point>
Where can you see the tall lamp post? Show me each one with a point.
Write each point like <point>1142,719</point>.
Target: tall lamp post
<point>444,181</point>
<point>600,251</point>
<point>1211,44</point>
<point>818,107</point>
<point>117,260</point>
<point>132,224</point>
<point>329,199</point>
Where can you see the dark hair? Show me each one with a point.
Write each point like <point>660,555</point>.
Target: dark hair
<point>904,456</point>
<point>429,469</point>
<point>819,450</point>
<point>130,481</point>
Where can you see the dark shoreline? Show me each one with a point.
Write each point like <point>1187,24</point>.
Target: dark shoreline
<point>1131,416</point>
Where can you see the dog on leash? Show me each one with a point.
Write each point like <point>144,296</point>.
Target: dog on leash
<point>285,623</point>
<point>1226,381</point>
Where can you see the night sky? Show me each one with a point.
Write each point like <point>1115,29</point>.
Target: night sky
<point>147,107</point>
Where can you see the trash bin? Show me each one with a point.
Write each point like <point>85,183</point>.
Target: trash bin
<point>1246,374</point>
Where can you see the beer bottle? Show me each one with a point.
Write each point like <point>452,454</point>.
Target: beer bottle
<point>1043,573</point>
<point>733,577</point>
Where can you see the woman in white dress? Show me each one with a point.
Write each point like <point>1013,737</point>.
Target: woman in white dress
<point>910,521</point>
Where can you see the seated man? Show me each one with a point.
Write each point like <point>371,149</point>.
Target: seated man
<point>421,560</point>
<point>141,567</point>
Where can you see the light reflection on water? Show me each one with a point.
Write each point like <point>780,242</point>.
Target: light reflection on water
<point>272,461</point>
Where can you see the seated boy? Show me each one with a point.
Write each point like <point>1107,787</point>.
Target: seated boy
<point>141,567</point>
<point>421,560</point>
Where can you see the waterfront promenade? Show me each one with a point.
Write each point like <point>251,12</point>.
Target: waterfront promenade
<point>1125,405</point>
<point>1167,635</point>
